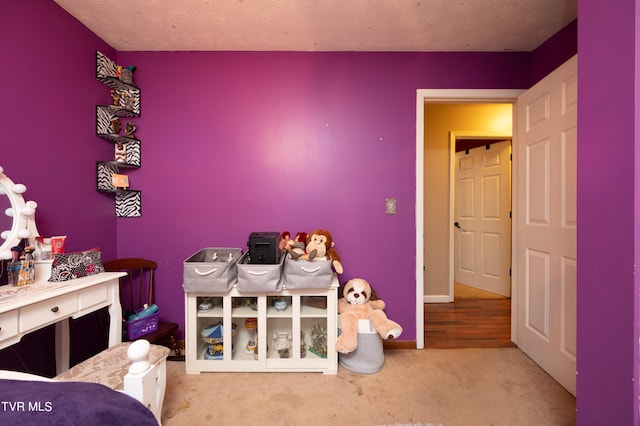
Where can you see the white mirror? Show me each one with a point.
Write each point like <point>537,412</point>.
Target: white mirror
<point>19,216</point>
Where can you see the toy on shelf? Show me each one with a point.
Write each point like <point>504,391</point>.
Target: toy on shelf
<point>280,304</point>
<point>251,324</point>
<point>319,341</point>
<point>213,336</point>
<point>303,345</point>
<point>285,237</point>
<point>125,74</point>
<point>282,343</point>
<point>296,247</point>
<point>121,152</point>
<point>205,304</point>
<point>320,245</point>
<point>116,126</point>
<point>130,130</point>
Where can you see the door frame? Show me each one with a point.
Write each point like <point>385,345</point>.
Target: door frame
<point>450,96</point>
<point>454,136</point>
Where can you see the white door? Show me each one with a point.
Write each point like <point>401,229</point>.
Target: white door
<point>482,257</point>
<point>545,215</point>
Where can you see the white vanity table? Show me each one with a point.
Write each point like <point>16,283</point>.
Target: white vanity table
<point>32,307</point>
<point>28,308</point>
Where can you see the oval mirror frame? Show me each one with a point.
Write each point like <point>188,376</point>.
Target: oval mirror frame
<point>24,223</point>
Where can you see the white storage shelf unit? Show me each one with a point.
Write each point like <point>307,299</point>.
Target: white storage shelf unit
<point>309,313</point>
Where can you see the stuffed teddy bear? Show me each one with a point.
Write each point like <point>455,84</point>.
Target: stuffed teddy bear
<point>361,302</point>
<point>320,245</point>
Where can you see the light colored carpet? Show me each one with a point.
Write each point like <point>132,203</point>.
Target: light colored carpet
<point>452,387</point>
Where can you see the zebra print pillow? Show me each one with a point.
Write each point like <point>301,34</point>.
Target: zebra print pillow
<point>67,266</point>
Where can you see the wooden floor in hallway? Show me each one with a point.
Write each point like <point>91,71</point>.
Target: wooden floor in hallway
<point>468,323</point>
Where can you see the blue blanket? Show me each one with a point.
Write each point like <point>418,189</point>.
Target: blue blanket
<point>68,403</point>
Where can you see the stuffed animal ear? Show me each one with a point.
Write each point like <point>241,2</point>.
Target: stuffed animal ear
<point>374,295</point>
<point>341,289</point>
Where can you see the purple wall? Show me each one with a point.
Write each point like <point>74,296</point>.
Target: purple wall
<point>237,142</point>
<point>607,213</point>
<point>47,118</point>
<point>49,144</point>
<point>554,52</point>
<point>240,142</point>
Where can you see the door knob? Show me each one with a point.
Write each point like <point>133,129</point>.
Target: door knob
<point>457,225</point>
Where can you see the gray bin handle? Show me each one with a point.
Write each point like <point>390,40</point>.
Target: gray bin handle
<point>211,271</point>
<point>257,273</point>
<point>311,271</point>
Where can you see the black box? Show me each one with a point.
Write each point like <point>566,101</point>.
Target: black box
<point>263,248</point>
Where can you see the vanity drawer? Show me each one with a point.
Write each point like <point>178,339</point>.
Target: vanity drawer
<point>48,311</point>
<point>8,325</point>
<point>92,296</point>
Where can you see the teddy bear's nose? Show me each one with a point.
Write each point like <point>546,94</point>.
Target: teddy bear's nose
<point>356,295</point>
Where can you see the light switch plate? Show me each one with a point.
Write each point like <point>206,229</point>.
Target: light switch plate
<point>390,206</point>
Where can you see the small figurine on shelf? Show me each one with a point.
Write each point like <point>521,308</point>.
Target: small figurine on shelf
<point>130,130</point>
<point>205,304</point>
<point>303,345</point>
<point>251,324</point>
<point>213,336</point>
<point>252,302</point>
<point>121,152</point>
<point>319,341</point>
<point>126,74</point>
<point>115,96</point>
<point>282,343</point>
<point>280,304</point>
<point>115,125</point>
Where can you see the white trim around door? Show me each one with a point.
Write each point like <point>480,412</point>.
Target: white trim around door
<point>450,96</point>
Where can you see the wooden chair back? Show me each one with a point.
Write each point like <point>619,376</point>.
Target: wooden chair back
<point>136,290</point>
<point>137,287</point>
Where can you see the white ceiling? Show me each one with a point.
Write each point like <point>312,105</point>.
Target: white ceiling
<point>323,25</point>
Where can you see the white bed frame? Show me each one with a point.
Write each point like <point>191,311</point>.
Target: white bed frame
<point>143,381</point>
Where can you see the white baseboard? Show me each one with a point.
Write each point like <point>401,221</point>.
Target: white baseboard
<point>443,298</point>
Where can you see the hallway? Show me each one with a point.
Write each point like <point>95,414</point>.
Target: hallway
<point>473,320</point>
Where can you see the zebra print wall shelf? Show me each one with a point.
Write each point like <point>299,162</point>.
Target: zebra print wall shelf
<point>125,104</point>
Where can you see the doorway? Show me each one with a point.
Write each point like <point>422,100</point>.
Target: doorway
<point>445,292</point>
<point>481,208</point>
<point>543,302</point>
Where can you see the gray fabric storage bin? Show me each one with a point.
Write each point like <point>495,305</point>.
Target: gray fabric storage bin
<point>307,273</point>
<point>368,358</point>
<point>211,270</point>
<point>259,278</point>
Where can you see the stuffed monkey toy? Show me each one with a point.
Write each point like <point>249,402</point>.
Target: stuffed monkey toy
<point>320,245</point>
